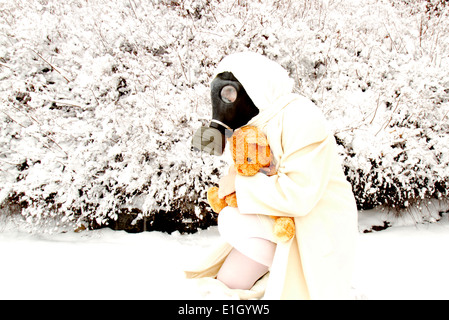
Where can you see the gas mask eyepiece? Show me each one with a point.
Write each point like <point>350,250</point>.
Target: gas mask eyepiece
<point>228,94</point>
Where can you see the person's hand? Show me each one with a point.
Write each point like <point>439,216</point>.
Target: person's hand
<point>226,186</point>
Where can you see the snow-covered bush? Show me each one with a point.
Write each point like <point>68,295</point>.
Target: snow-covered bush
<point>99,99</point>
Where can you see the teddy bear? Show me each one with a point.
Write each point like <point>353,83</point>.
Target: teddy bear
<point>252,154</point>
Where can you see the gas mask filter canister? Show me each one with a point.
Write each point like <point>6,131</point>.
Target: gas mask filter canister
<point>210,140</point>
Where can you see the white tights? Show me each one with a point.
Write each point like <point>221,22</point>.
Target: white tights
<point>253,252</point>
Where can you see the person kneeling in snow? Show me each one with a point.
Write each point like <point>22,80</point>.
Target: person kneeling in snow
<point>250,89</point>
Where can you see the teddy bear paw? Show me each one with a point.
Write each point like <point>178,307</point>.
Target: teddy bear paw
<point>284,229</point>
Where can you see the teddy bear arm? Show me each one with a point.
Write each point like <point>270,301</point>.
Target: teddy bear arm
<point>214,201</point>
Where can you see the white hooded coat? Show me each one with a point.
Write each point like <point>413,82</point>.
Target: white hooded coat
<point>310,187</point>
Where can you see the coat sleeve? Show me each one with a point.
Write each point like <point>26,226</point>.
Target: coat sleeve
<point>303,174</point>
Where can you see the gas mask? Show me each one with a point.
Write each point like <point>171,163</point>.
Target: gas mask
<point>232,108</point>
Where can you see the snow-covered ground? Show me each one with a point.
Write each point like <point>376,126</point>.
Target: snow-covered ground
<point>408,262</point>
<point>405,261</point>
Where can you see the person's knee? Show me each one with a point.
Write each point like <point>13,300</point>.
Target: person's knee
<point>260,250</point>
<point>240,271</point>
<point>227,221</point>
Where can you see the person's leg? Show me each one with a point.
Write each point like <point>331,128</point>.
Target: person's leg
<point>253,253</point>
<point>240,272</point>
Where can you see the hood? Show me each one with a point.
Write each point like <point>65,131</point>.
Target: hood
<point>266,82</point>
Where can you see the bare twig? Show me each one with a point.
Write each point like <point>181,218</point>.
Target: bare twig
<point>4,65</point>
<point>182,68</point>
<point>98,103</point>
<point>132,8</point>
<point>67,103</point>
<point>389,120</point>
<point>43,135</point>
<point>375,111</point>
<point>12,119</point>
<point>393,43</point>
<point>53,67</point>
<point>445,116</point>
